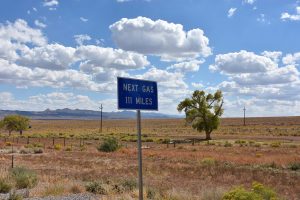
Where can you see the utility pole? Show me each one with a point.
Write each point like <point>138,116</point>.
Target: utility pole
<point>244,116</point>
<point>101,107</point>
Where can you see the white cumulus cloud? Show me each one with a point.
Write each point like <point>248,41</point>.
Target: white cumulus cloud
<point>80,39</point>
<point>242,62</point>
<point>164,39</point>
<point>292,17</point>
<point>188,66</point>
<point>291,59</point>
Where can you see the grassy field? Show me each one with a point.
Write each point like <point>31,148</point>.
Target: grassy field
<point>266,150</point>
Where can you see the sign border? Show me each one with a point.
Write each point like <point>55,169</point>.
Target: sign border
<point>118,77</point>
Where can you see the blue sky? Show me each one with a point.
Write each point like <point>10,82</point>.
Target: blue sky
<point>58,54</point>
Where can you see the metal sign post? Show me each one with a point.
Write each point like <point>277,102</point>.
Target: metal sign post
<point>135,94</point>
<point>139,135</point>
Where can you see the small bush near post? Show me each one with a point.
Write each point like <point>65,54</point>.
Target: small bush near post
<point>5,187</point>
<point>96,187</point>
<point>109,145</point>
<point>24,178</point>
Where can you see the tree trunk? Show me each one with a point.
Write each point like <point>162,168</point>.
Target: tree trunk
<point>207,135</point>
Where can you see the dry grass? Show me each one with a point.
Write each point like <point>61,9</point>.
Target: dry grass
<point>202,171</point>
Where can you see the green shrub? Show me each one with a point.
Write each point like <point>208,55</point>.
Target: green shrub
<point>164,141</point>
<point>82,147</point>
<point>129,184</point>
<point>5,187</point>
<point>24,178</point>
<point>68,148</point>
<point>28,146</point>
<point>294,166</point>
<point>257,145</point>
<point>37,150</point>
<point>96,187</point>
<point>227,144</point>
<point>265,192</point>
<point>240,142</point>
<point>271,165</point>
<point>239,193</point>
<point>109,145</point>
<point>57,147</point>
<point>152,193</point>
<point>275,144</point>
<point>25,151</point>
<point>210,143</point>
<point>208,162</point>
<point>258,192</point>
<point>40,145</point>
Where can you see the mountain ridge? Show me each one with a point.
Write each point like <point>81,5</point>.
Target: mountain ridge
<point>67,113</point>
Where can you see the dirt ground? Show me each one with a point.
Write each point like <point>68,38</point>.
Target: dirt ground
<point>262,151</point>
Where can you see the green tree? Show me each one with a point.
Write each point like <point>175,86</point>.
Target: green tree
<point>15,123</point>
<point>203,111</point>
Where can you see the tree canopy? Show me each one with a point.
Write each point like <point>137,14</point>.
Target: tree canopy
<point>15,123</point>
<point>203,111</point>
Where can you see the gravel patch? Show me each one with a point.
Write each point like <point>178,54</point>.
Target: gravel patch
<point>84,196</point>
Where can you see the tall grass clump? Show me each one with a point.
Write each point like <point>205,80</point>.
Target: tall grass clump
<point>109,145</point>
<point>5,186</point>
<point>24,178</point>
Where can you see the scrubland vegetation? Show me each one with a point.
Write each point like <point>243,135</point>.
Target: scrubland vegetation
<point>259,161</point>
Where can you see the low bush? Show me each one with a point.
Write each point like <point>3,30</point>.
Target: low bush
<point>24,178</point>
<point>208,162</point>
<point>271,165</point>
<point>68,148</point>
<point>25,151</point>
<point>294,166</point>
<point>129,184</point>
<point>164,141</point>
<point>38,150</point>
<point>275,144</point>
<point>265,192</point>
<point>109,145</point>
<point>5,186</point>
<point>227,144</point>
<point>210,143</point>
<point>28,146</point>
<point>8,144</point>
<point>240,142</point>
<point>152,193</point>
<point>239,193</point>
<point>257,192</point>
<point>57,147</point>
<point>96,187</point>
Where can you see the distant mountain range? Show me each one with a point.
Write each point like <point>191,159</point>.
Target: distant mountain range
<point>67,113</point>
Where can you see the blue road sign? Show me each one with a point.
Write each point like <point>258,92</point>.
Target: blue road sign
<point>137,94</point>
